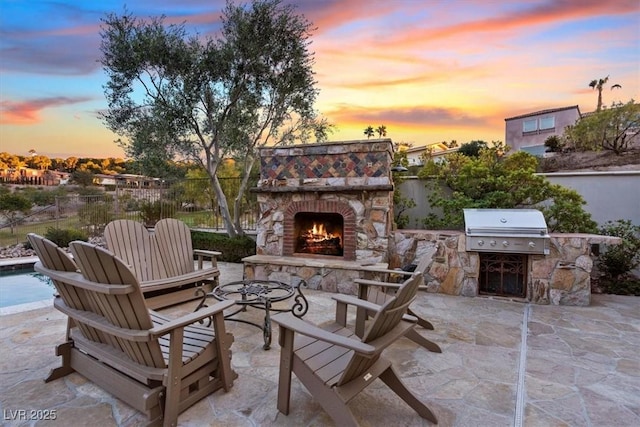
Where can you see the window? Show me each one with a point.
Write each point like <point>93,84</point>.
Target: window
<point>530,125</point>
<point>536,125</point>
<point>547,123</point>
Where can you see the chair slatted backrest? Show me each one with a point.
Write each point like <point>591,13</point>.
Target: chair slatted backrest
<point>425,261</point>
<point>53,257</point>
<point>126,311</point>
<point>385,320</point>
<point>132,242</point>
<point>174,243</point>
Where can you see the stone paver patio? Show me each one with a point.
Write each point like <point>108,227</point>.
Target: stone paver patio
<point>504,363</point>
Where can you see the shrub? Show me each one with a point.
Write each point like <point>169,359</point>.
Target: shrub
<point>620,259</point>
<point>152,212</point>
<point>233,248</point>
<point>63,236</point>
<point>493,180</point>
<point>96,216</point>
<point>626,286</point>
<point>554,144</point>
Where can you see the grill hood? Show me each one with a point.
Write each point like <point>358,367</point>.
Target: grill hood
<point>506,230</point>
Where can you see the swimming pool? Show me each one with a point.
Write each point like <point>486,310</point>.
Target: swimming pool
<point>24,286</point>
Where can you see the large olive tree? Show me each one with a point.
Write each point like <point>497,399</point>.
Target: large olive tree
<point>176,95</point>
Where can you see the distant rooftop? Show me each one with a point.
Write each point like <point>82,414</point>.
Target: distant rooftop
<point>548,111</point>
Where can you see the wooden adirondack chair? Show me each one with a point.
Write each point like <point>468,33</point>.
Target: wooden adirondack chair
<point>335,365</point>
<point>163,261</point>
<point>378,292</point>
<point>158,366</point>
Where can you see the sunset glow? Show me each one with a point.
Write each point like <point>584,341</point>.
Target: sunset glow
<point>430,71</point>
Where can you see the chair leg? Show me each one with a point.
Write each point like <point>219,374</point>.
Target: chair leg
<point>394,382</point>
<point>421,320</point>
<point>327,397</point>
<point>414,336</point>
<point>286,366</point>
<point>63,350</point>
<point>174,378</point>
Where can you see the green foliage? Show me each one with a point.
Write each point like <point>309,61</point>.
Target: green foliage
<point>63,236</point>
<point>400,203</point>
<point>82,177</point>
<point>174,95</point>
<point>622,286</point>
<point>607,129</point>
<point>620,259</point>
<point>233,248</point>
<point>493,180</point>
<point>472,149</point>
<point>554,144</point>
<point>369,131</point>
<point>13,207</point>
<point>43,197</point>
<point>152,212</point>
<point>96,214</point>
<point>563,210</point>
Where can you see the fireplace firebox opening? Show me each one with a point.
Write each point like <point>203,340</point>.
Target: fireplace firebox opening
<point>319,233</point>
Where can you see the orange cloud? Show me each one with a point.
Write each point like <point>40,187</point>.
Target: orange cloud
<point>28,112</point>
<point>546,13</point>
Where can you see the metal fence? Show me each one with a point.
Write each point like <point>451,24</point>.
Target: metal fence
<point>192,201</point>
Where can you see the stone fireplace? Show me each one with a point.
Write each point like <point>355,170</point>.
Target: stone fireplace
<point>326,210</point>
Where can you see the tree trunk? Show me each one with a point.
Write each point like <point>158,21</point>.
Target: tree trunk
<point>599,99</point>
<point>224,207</point>
<point>237,212</point>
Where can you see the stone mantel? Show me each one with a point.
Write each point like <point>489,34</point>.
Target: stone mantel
<point>322,189</point>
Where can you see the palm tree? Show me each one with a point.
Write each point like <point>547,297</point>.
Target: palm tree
<point>381,130</point>
<point>368,131</point>
<point>599,85</point>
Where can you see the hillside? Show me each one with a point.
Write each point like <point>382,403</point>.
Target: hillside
<point>598,161</point>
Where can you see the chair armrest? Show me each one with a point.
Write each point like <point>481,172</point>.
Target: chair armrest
<point>190,318</point>
<point>378,283</point>
<point>210,255</point>
<point>357,302</point>
<point>388,271</point>
<point>388,285</point>
<point>289,321</point>
<point>207,253</point>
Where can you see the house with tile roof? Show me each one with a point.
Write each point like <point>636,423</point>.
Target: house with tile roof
<point>528,132</point>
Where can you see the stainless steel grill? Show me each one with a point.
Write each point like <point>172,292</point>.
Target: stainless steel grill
<point>521,231</point>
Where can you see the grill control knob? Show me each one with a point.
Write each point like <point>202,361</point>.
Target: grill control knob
<point>493,243</point>
<point>480,242</point>
<point>532,244</point>
<point>505,243</point>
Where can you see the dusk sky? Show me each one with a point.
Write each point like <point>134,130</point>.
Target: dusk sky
<point>429,70</point>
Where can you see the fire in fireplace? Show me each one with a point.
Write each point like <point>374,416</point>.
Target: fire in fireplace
<point>318,233</point>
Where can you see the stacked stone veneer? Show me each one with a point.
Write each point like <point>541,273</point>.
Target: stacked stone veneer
<point>351,178</point>
<point>561,278</point>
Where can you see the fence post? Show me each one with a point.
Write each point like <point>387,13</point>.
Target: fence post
<point>117,204</point>
<point>57,211</point>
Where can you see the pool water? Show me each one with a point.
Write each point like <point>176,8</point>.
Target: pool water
<point>24,286</point>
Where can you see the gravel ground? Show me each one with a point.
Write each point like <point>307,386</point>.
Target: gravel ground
<point>19,251</point>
